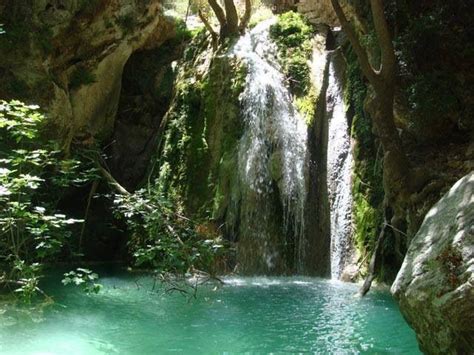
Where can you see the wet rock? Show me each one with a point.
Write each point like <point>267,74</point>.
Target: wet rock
<point>350,273</point>
<point>435,284</point>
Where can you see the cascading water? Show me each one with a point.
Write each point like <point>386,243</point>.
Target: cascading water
<point>272,150</point>
<point>339,168</point>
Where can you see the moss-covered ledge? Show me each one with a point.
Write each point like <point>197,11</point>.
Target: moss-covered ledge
<point>198,160</point>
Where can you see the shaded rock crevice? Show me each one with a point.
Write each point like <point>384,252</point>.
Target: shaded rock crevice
<point>147,91</point>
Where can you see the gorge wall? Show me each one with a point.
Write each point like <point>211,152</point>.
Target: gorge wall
<point>240,152</point>
<point>107,73</point>
<point>72,62</point>
<point>268,141</point>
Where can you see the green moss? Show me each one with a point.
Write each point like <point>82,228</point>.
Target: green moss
<point>293,34</point>
<point>182,32</point>
<point>108,23</point>
<point>20,34</point>
<point>306,105</point>
<point>367,187</point>
<point>291,30</point>
<point>43,37</point>
<point>198,159</point>
<point>88,7</point>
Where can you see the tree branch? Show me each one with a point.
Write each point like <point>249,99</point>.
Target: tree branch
<point>209,28</point>
<point>231,16</point>
<point>218,11</point>
<point>361,53</point>
<point>373,261</point>
<point>244,21</point>
<point>95,184</point>
<point>112,182</point>
<point>123,191</point>
<point>387,69</point>
<point>22,283</point>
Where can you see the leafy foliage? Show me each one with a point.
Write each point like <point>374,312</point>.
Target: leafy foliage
<point>293,34</point>
<point>432,46</point>
<point>83,278</point>
<point>163,239</point>
<point>31,229</point>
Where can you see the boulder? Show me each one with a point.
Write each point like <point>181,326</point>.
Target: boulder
<point>434,287</point>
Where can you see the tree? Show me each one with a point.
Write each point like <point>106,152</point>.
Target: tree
<point>397,172</point>
<point>230,22</point>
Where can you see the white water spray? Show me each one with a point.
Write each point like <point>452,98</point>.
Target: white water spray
<point>339,165</point>
<point>273,146</point>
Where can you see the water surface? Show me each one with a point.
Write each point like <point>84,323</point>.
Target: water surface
<point>247,315</point>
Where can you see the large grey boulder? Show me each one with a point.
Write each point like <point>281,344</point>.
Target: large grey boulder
<point>435,286</point>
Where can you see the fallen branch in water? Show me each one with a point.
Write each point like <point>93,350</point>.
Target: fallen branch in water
<point>95,184</point>
<point>186,285</point>
<point>373,261</point>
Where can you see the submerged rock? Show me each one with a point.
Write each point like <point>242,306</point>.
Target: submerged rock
<point>435,284</point>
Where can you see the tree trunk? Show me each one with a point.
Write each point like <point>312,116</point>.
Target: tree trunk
<point>396,165</point>
<point>396,169</point>
<point>232,17</point>
<point>244,21</point>
<point>219,12</point>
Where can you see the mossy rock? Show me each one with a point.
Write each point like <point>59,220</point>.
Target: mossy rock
<point>198,162</point>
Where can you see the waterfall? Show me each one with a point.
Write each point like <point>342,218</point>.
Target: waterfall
<point>273,165</point>
<point>272,150</point>
<point>339,168</point>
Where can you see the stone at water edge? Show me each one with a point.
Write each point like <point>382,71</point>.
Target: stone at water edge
<point>435,286</point>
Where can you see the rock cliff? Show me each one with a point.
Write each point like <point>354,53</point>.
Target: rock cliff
<point>435,284</point>
<point>69,56</point>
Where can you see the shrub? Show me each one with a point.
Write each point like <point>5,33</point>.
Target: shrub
<point>32,230</point>
<point>163,239</point>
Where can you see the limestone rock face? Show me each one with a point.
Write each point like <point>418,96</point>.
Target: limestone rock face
<point>435,286</point>
<point>318,11</point>
<point>71,60</point>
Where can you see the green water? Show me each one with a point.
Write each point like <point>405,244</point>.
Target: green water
<point>247,315</point>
